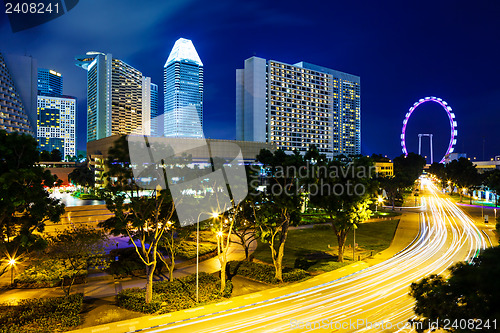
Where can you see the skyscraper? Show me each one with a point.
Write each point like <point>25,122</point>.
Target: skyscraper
<point>297,106</point>
<point>114,96</point>
<point>13,113</point>
<point>183,92</point>
<point>56,114</point>
<point>154,110</point>
<point>50,82</point>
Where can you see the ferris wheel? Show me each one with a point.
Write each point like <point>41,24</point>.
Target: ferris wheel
<point>451,117</point>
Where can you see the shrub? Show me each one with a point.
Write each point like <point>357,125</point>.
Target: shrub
<point>187,249</point>
<point>322,226</point>
<point>175,295</point>
<point>42,314</point>
<point>45,273</point>
<point>263,272</point>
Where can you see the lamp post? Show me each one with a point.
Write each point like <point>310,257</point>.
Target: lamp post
<point>354,227</point>
<point>379,201</point>
<point>12,263</point>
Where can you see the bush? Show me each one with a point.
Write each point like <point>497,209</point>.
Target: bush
<point>263,272</point>
<point>322,226</point>
<point>187,249</point>
<point>42,314</point>
<point>175,295</point>
<point>45,273</point>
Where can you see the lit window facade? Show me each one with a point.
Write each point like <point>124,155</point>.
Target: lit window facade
<point>115,97</point>
<point>183,92</point>
<point>297,106</point>
<point>56,127</point>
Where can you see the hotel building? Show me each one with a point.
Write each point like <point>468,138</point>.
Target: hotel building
<point>297,106</point>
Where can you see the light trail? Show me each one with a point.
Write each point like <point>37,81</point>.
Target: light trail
<point>378,294</point>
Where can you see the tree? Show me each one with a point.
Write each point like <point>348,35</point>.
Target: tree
<point>142,218</point>
<point>78,248</point>
<point>408,168</point>
<point>25,205</point>
<point>472,291</point>
<point>464,174</point>
<point>344,192</point>
<point>392,186</point>
<point>279,206</point>
<point>83,176</point>
<point>172,237</point>
<point>438,170</point>
<point>56,155</point>
<point>244,227</point>
<point>45,156</point>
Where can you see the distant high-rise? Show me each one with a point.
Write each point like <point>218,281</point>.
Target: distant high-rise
<point>56,125</point>
<point>13,113</point>
<point>50,82</point>
<point>183,92</point>
<point>297,106</point>
<point>154,110</point>
<point>114,96</point>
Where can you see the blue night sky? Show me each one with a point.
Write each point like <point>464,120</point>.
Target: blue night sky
<point>402,51</point>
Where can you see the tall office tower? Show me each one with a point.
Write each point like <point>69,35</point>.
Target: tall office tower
<point>19,78</point>
<point>13,114</point>
<point>114,96</point>
<point>146,106</point>
<point>56,125</point>
<point>50,82</point>
<point>154,110</point>
<point>297,106</point>
<point>183,92</point>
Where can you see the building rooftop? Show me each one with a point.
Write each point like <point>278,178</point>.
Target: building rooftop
<point>183,50</point>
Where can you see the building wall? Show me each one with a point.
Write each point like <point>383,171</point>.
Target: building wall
<point>155,131</point>
<point>384,169</point>
<point>56,124</point>
<point>13,115</point>
<point>23,74</point>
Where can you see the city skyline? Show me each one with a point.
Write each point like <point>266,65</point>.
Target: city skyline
<point>398,66</point>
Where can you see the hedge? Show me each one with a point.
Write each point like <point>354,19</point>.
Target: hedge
<point>174,295</point>
<point>264,273</point>
<point>42,314</point>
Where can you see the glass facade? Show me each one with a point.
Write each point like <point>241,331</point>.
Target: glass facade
<point>183,92</point>
<point>154,110</point>
<point>50,82</point>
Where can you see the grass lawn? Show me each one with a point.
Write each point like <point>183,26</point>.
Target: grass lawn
<point>319,247</point>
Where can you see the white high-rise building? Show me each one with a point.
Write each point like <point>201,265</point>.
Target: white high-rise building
<point>183,92</point>
<point>56,124</point>
<point>297,106</point>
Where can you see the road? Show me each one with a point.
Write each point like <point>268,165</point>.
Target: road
<point>372,300</point>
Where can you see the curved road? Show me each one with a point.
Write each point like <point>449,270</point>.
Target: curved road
<point>374,299</point>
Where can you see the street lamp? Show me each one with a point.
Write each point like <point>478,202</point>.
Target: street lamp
<point>12,263</point>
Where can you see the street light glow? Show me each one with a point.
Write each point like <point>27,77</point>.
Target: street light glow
<point>215,215</point>
<point>380,200</point>
<point>219,233</point>
<point>12,262</point>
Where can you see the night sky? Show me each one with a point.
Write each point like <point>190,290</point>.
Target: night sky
<point>402,51</point>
